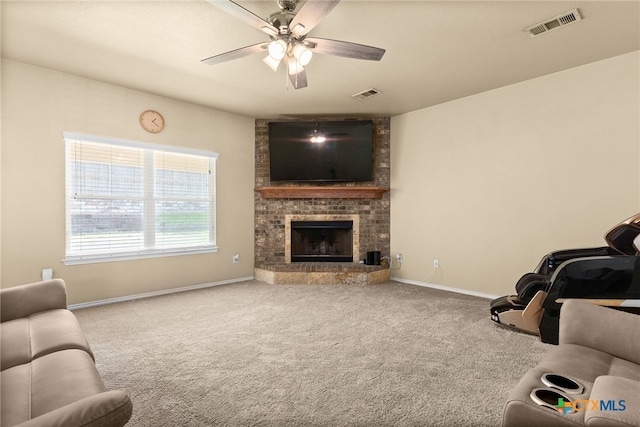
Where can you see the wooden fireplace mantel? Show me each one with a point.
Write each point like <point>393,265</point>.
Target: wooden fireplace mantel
<point>314,192</point>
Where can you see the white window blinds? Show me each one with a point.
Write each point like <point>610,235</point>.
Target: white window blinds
<point>129,200</point>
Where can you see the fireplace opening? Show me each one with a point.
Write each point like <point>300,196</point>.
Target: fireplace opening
<point>321,241</point>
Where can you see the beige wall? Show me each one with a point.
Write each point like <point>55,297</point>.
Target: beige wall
<point>37,106</point>
<point>490,183</point>
<point>487,184</point>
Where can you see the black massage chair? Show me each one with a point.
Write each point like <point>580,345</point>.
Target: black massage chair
<point>608,276</point>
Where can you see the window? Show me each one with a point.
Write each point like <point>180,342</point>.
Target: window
<point>127,200</point>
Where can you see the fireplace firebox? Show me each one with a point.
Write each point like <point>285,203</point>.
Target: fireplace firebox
<point>321,241</point>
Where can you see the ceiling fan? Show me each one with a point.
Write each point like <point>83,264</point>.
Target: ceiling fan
<point>289,42</point>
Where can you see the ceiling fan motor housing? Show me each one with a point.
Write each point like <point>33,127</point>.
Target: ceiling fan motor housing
<point>281,20</point>
<point>287,5</point>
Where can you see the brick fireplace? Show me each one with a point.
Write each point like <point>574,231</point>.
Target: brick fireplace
<point>365,204</point>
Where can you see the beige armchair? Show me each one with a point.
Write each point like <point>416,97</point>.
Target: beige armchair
<point>591,378</point>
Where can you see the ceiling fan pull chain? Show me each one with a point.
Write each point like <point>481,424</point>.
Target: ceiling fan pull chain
<point>286,77</point>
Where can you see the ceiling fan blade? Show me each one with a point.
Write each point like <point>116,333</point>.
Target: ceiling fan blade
<point>310,14</point>
<point>345,49</point>
<point>235,54</point>
<point>299,79</point>
<point>245,15</point>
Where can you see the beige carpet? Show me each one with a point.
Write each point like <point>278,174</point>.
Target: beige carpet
<point>253,354</point>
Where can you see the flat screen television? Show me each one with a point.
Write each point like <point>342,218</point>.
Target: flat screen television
<point>325,151</point>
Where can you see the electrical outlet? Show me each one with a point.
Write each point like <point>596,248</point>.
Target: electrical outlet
<point>399,257</point>
<point>236,258</point>
<point>47,273</point>
<point>436,263</point>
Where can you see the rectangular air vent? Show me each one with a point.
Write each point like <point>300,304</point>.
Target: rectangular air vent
<point>552,24</point>
<point>366,94</point>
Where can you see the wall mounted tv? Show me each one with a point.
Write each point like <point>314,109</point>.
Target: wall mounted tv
<point>323,151</point>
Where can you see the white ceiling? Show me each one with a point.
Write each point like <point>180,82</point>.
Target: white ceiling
<point>436,51</point>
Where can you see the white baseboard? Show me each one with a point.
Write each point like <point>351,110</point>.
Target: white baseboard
<point>446,288</point>
<point>244,279</point>
<point>155,293</point>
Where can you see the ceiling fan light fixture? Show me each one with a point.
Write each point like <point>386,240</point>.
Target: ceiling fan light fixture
<point>277,49</point>
<point>272,63</point>
<point>302,54</point>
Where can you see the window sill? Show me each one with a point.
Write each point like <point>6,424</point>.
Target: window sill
<point>129,256</point>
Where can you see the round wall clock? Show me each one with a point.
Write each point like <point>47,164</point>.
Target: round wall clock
<point>151,121</point>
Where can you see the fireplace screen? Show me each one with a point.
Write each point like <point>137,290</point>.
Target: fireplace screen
<point>322,241</point>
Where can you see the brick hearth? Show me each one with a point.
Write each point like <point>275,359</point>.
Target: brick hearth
<point>322,273</point>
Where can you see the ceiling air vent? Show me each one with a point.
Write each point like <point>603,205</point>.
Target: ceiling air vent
<point>366,94</point>
<point>557,22</point>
